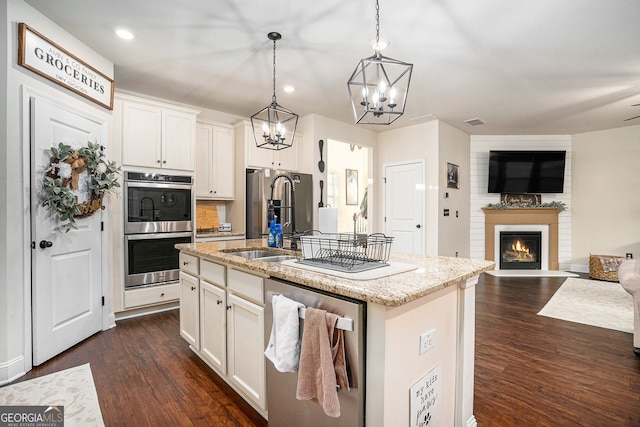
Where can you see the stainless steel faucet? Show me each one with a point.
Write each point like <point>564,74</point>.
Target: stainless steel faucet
<point>271,210</point>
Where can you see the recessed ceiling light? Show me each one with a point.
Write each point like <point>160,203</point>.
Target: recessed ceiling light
<point>289,89</point>
<point>123,33</point>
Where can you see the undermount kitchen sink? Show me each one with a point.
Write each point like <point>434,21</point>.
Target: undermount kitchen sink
<point>262,255</point>
<point>256,253</point>
<point>277,258</point>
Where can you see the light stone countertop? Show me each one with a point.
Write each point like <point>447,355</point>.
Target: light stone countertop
<point>205,234</point>
<point>432,274</point>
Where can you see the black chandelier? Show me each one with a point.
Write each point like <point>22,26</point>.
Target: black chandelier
<point>274,127</point>
<point>379,86</point>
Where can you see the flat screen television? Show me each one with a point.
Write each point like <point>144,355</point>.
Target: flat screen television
<point>526,171</point>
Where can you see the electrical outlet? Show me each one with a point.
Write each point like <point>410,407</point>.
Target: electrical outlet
<point>427,341</point>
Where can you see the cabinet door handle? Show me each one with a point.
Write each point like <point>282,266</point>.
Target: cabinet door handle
<point>162,294</point>
<point>210,191</point>
<point>193,288</point>
<point>228,307</point>
<point>185,262</point>
<point>157,161</point>
<point>164,161</point>
<point>219,302</point>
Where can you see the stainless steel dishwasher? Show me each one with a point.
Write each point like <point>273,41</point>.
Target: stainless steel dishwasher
<point>284,408</point>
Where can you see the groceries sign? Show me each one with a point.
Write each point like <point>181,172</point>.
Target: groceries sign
<point>44,57</point>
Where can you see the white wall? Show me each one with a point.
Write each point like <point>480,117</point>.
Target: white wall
<point>15,275</point>
<point>7,350</point>
<point>414,143</point>
<point>480,147</point>
<point>605,214</point>
<point>437,143</point>
<point>453,232</point>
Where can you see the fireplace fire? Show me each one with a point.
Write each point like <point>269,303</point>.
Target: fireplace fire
<point>520,250</point>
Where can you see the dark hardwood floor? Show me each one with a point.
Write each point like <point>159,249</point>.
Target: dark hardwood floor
<point>145,375</point>
<point>530,370</point>
<point>537,371</point>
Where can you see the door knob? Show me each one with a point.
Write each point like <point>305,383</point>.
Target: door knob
<point>418,226</point>
<point>45,244</point>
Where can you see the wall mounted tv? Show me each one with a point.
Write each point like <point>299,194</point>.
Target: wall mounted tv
<point>526,171</point>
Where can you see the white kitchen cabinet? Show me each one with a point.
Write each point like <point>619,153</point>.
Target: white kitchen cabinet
<point>287,159</point>
<point>245,352</point>
<point>214,162</point>
<point>230,317</point>
<point>213,325</point>
<point>157,135</point>
<point>189,309</point>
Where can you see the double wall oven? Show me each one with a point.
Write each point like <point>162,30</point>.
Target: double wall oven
<point>157,215</point>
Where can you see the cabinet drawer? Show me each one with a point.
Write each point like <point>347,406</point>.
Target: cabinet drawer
<point>212,272</point>
<point>189,263</point>
<point>246,284</point>
<point>151,295</point>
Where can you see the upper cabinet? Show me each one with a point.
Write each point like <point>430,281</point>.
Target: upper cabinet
<point>287,159</point>
<point>157,135</point>
<point>214,161</point>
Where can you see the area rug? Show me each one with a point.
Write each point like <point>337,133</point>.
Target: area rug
<point>592,302</point>
<point>72,388</point>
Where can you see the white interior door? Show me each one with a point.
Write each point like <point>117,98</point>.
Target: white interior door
<point>404,206</point>
<point>66,267</point>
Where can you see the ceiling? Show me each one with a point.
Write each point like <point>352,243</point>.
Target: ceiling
<point>522,67</point>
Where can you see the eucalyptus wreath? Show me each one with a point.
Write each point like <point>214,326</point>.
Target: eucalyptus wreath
<point>61,178</point>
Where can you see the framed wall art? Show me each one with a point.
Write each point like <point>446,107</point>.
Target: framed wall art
<point>453,173</point>
<point>351,179</point>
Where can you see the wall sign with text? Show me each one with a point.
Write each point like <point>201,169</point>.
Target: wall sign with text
<point>424,403</point>
<point>44,57</point>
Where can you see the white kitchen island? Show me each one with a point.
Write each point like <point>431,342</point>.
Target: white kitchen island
<point>436,299</point>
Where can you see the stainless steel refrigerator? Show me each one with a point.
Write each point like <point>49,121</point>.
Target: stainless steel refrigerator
<point>259,192</point>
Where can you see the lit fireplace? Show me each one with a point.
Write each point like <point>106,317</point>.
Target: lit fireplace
<point>520,250</point>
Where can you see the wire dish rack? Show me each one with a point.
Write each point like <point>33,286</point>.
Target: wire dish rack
<point>346,252</point>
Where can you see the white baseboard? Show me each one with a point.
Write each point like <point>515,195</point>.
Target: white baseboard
<point>11,370</point>
<point>145,311</point>
<point>472,422</point>
<point>580,268</point>
<point>111,321</point>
